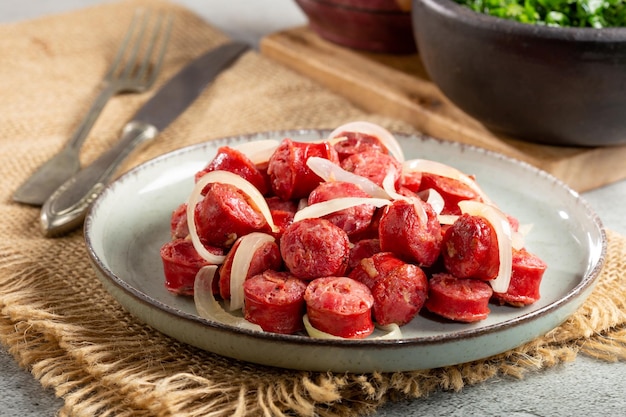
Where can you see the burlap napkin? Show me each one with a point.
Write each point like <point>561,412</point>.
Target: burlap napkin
<point>57,320</point>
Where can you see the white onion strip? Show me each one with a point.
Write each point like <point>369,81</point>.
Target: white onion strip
<point>258,151</point>
<point>386,137</point>
<point>438,168</point>
<point>447,218</point>
<point>391,331</point>
<point>329,171</point>
<point>223,177</point>
<point>502,227</point>
<point>208,307</point>
<point>324,208</point>
<point>194,198</point>
<point>244,253</point>
<point>390,187</point>
<point>519,237</point>
<point>432,197</point>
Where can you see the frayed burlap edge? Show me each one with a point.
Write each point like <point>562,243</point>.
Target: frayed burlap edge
<point>102,362</point>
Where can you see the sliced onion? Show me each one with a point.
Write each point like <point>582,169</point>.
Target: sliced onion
<point>208,307</point>
<point>389,185</point>
<point>246,249</point>
<point>447,218</point>
<point>336,204</point>
<point>432,197</point>
<point>502,227</point>
<point>438,168</point>
<point>194,198</point>
<point>390,189</point>
<point>329,171</point>
<point>258,151</point>
<point>386,137</point>
<point>519,237</point>
<point>391,331</point>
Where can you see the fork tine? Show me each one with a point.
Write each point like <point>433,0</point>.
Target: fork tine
<point>132,58</point>
<point>165,21</point>
<point>123,46</point>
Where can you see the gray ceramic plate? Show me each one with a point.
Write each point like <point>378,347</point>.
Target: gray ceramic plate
<point>130,221</point>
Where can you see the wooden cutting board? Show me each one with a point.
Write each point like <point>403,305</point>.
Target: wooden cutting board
<point>398,86</point>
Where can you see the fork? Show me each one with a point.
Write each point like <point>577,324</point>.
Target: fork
<point>130,72</point>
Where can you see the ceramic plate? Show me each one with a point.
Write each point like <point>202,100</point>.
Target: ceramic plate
<point>129,222</point>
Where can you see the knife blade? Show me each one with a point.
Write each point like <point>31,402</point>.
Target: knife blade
<point>66,208</point>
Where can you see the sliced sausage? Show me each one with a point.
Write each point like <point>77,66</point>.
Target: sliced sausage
<point>313,248</point>
<point>399,294</point>
<point>362,249</point>
<point>526,276</point>
<point>403,231</point>
<point>264,258</point>
<point>282,212</point>
<point>373,165</point>
<point>225,214</point>
<point>232,160</point>
<point>340,306</point>
<point>452,191</point>
<point>354,219</point>
<point>178,222</point>
<point>275,301</point>
<point>371,269</point>
<point>290,177</point>
<point>458,299</point>
<point>357,142</point>
<point>470,248</point>
<point>181,263</point>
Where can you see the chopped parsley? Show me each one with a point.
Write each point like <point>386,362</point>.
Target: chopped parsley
<point>572,13</point>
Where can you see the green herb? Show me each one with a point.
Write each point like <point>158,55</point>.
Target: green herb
<point>574,13</point>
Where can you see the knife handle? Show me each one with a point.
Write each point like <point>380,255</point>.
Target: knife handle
<point>65,210</point>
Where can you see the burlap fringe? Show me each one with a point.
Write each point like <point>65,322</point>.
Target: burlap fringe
<point>104,363</point>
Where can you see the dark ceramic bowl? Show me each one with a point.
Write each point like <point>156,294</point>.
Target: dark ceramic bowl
<point>558,86</point>
<point>371,25</point>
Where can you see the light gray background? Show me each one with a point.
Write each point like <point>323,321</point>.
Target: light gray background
<point>583,388</point>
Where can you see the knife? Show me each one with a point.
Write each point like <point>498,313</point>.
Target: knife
<point>66,208</point>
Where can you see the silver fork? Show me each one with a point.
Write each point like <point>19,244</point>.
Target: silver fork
<point>133,70</point>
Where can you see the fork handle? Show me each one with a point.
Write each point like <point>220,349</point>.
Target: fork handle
<point>65,210</point>
<point>81,132</point>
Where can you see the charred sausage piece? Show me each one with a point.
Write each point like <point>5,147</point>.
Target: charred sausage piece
<point>451,190</point>
<point>458,299</point>
<point>275,301</point>
<point>364,248</point>
<point>340,306</point>
<point>181,263</point>
<point>470,248</point>
<point>354,219</point>
<point>399,295</point>
<point>373,165</point>
<point>371,269</point>
<point>290,177</point>
<point>526,276</point>
<point>178,222</point>
<point>403,231</point>
<point>313,248</point>
<point>264,258</point>
<point>357,142</point>
<point>231,160</point>
<point>225,214</point>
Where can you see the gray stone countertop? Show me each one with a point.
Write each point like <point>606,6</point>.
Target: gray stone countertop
<point>585,387</point>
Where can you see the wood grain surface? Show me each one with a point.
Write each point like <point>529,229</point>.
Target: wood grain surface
<point>398,86</point>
